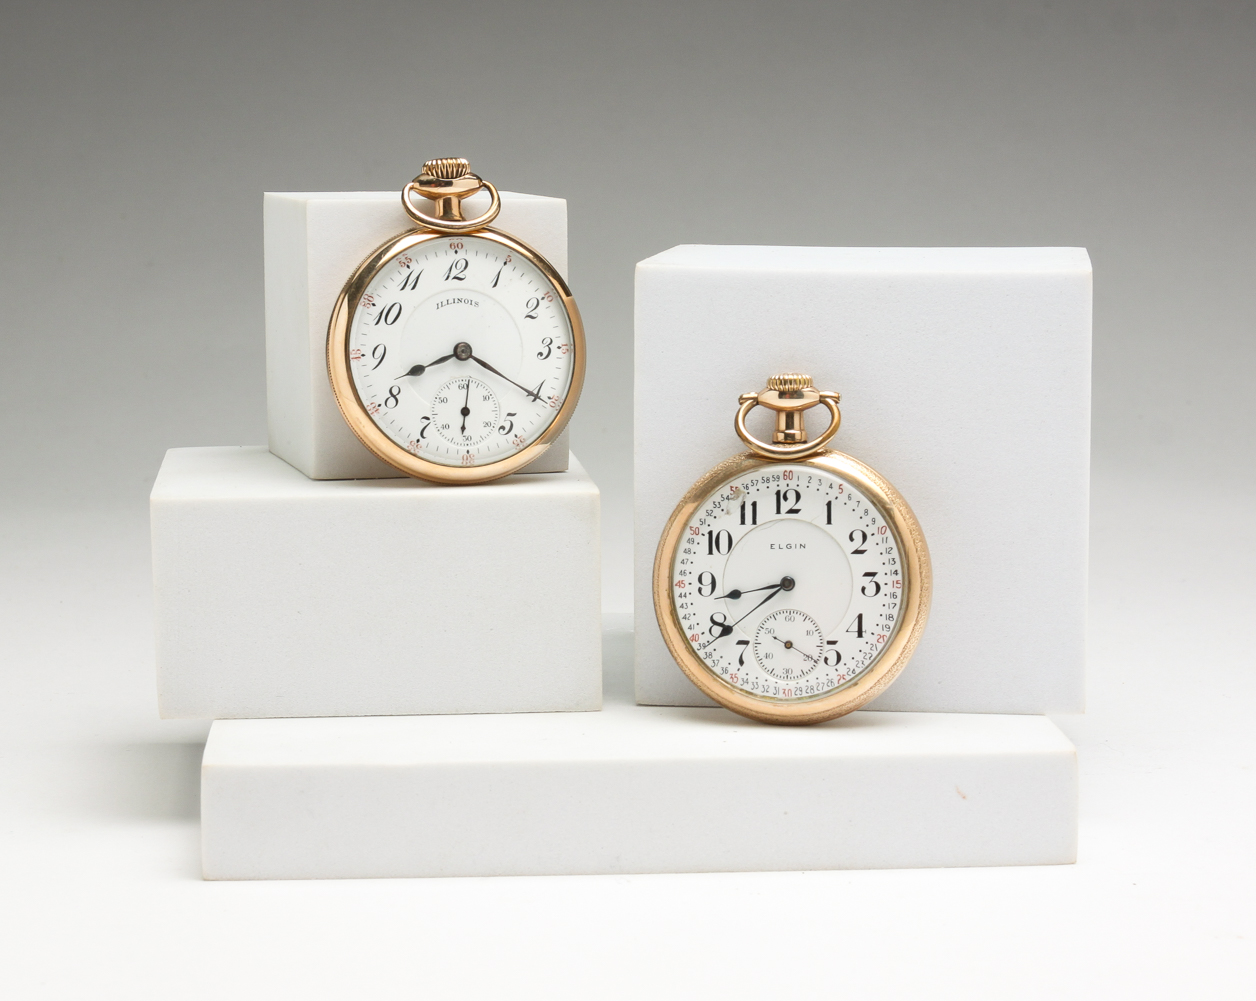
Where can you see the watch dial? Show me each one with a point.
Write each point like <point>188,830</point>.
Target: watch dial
<point>788,582</point>
<point>461,351</point>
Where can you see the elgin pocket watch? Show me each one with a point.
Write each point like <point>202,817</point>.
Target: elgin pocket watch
<point>792,582</point>
<point>455,351</point>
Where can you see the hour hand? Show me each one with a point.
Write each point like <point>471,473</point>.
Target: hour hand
<point>785,584</point>
<point>420,369</point>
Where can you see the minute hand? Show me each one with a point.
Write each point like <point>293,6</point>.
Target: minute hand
<point>483,364</point>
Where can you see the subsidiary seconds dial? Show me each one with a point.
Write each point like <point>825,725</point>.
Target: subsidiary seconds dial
<point>461,351</point>
<point>788,582</point>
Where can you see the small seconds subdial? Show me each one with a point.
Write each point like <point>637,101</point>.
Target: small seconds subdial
<point>465,412</point>
<point>789,644</point>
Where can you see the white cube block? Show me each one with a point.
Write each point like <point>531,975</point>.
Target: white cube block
<point>278,595</point>
<point>313,242</point>
<point>629,790</point>
<point>965,380</point>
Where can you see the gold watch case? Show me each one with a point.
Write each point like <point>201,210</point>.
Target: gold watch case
<point>789,447</point>
<point>446,182</point>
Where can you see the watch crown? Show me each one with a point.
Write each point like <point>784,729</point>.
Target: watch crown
<point>447,168</point>
<point>789,382</point>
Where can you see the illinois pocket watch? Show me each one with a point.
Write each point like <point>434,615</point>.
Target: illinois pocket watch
<point>455,351</point>
<point>792,582</point>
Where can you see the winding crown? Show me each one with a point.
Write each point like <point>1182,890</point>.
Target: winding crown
<point>447,168</point>
<point>789,382</point>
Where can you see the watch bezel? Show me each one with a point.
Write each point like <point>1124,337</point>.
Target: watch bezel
<point>353,409</point>
<point>917,593</point>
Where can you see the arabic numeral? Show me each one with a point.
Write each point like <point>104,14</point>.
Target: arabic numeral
<point>719,543</point>
<point>789,500</point>
<point>509,425</point>
<point>534,304</point>
<point>457,270</point>
<point>548,344</point>
<point>394,397</point>
<point>389,314</point>
<point>706,583</point>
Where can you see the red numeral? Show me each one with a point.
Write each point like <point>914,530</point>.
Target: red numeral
<point>787,475</point>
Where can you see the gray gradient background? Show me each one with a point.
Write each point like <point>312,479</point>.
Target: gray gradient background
<point>135,142</point>
<point>137,139</point>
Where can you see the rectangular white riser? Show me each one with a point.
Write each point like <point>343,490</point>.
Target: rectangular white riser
<point>278,595</point>
<point>965,381</point>
<point>632,790</point>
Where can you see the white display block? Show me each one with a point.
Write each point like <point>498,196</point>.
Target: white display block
<point>965,381</point>
<point>313,242</point>
<point>278,595</point>
<point>632,789</point>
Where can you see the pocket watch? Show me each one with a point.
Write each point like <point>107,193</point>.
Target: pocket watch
<point>455,351</point>
<point>792,582</point>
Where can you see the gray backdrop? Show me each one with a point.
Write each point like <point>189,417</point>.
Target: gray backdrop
<point>137,139</point>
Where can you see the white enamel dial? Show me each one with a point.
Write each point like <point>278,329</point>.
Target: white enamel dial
<point>461,324</point>
<point>788,582</point>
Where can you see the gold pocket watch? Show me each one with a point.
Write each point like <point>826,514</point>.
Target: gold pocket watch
<point>455,351</point>
<point>792,582</point>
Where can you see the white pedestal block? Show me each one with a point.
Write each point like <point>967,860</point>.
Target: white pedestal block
<point>277,595</point>
<point>314,241</point>
<point>965,380</point>
<point>632,789</point>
